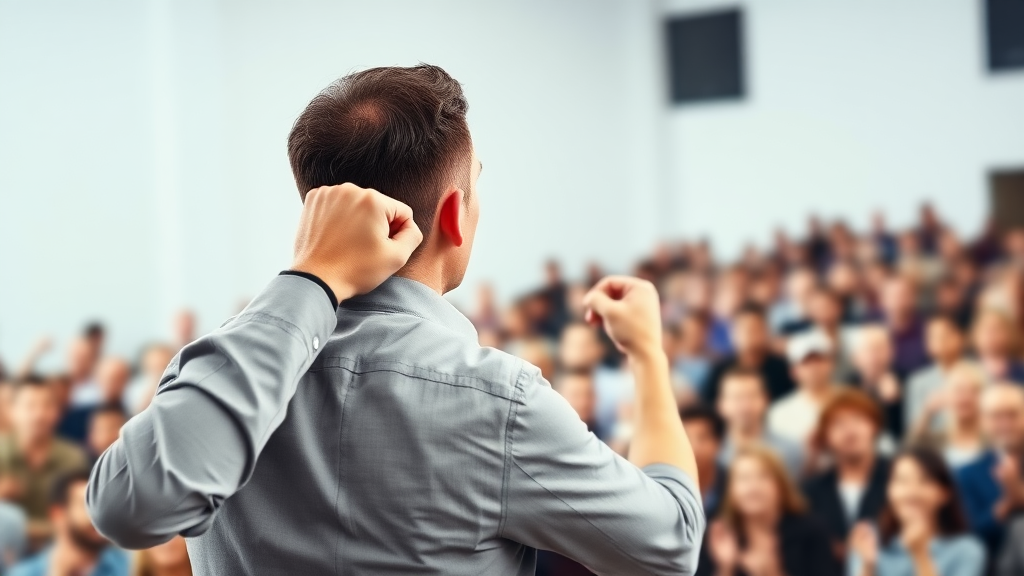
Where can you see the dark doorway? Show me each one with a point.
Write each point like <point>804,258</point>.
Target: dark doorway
<point>1007,190</point>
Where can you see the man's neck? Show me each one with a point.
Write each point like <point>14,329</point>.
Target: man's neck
<point>965,430</point>
<point>765,523</point>
<point>817,393</point>
<point>855,470</point>
<point>901,323</point>
<point>741,436</point>
<point>871,378</point>
<point>751,359</point>
<point>427,269</point>
<point>994,363</point>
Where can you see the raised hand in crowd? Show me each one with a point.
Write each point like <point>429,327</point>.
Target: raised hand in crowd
<point>723,547</point>
<point>864,543</point>
<point>1007,473</point>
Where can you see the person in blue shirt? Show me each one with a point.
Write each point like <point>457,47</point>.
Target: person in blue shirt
<point>922,530</point>
<point>992,487</point>
<point>13,534</point>
<point>77,547</point>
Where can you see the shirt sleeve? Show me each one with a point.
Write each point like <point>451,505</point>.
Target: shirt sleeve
<point>217,405</point>
<point>566,491</point>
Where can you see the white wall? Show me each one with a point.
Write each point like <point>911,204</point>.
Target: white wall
<point>852,106</point>
<point>142,144</point>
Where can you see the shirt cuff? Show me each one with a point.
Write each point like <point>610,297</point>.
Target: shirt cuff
<point>314,278</point>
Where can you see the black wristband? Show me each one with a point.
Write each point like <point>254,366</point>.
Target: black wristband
<point>319,282</point>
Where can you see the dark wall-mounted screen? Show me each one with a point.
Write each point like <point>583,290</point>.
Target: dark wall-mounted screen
<point>1004,23</point>
<point>705,57</point>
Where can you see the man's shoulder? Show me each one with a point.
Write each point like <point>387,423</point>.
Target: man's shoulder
<point>819,483</point>
<point>425,349</point>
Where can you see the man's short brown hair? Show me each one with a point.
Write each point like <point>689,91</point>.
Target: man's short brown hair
<point>401,131</point>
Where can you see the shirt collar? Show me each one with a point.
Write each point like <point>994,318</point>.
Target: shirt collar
<point>405,296</point>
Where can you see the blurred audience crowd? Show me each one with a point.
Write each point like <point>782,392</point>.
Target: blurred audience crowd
<point>52,428</point>
<point>855,400</point>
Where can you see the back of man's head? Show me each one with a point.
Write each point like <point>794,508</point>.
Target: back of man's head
<point>401,131</point>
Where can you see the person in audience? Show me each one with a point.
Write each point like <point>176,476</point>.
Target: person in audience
<point>81,366</point>
<point>793,315</point>
<point>945,343</point>
<point>899,312</point>
<point>31,456</point>
<point>885,240</point>
<point>846,281</point>
<point>952,299</point>
<point>852,488</point>
<point>580,349</point>
<point>742,403</point>
<point>167,559</point>
<point>77,549</point>
<point>957,406</point>
<point>577,387</point>
<point>693,359</point>
<point>922,530</point>
<point>105,424</point>
<point>152,364</point>
<point>992,487</point>
<point>827,318</point>
<point>112,377</point>
<point>537,351</point>
<point>554,293</point>
<point>13,535</point>
<point>872,360</point>
<point>795,416</point>
<point>753,353</point>
<point>923,268</point>
<point>706,431</point>
<point>763,528</point>
<point>486,316</point>
<point>996,344</point>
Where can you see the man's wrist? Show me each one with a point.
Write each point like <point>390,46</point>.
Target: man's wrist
<point>335,293</point>
<point>651,355</point>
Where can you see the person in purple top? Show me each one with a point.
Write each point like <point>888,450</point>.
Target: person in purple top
<point>899,311</point>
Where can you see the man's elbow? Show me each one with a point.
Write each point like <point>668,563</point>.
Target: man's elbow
<point>124,525</point>
<point>124,512</point>
<point>677,549</point>
<point>115,520</point>
<point>678,557</point>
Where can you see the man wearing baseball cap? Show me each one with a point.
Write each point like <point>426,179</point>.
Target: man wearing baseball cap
<point>795,415</point>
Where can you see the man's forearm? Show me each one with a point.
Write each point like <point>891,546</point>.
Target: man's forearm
<point>659,436</point>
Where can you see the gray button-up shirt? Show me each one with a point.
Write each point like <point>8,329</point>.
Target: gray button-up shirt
<point>378,440</point>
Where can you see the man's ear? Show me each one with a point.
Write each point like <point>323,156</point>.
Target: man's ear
<point>450,216</point>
